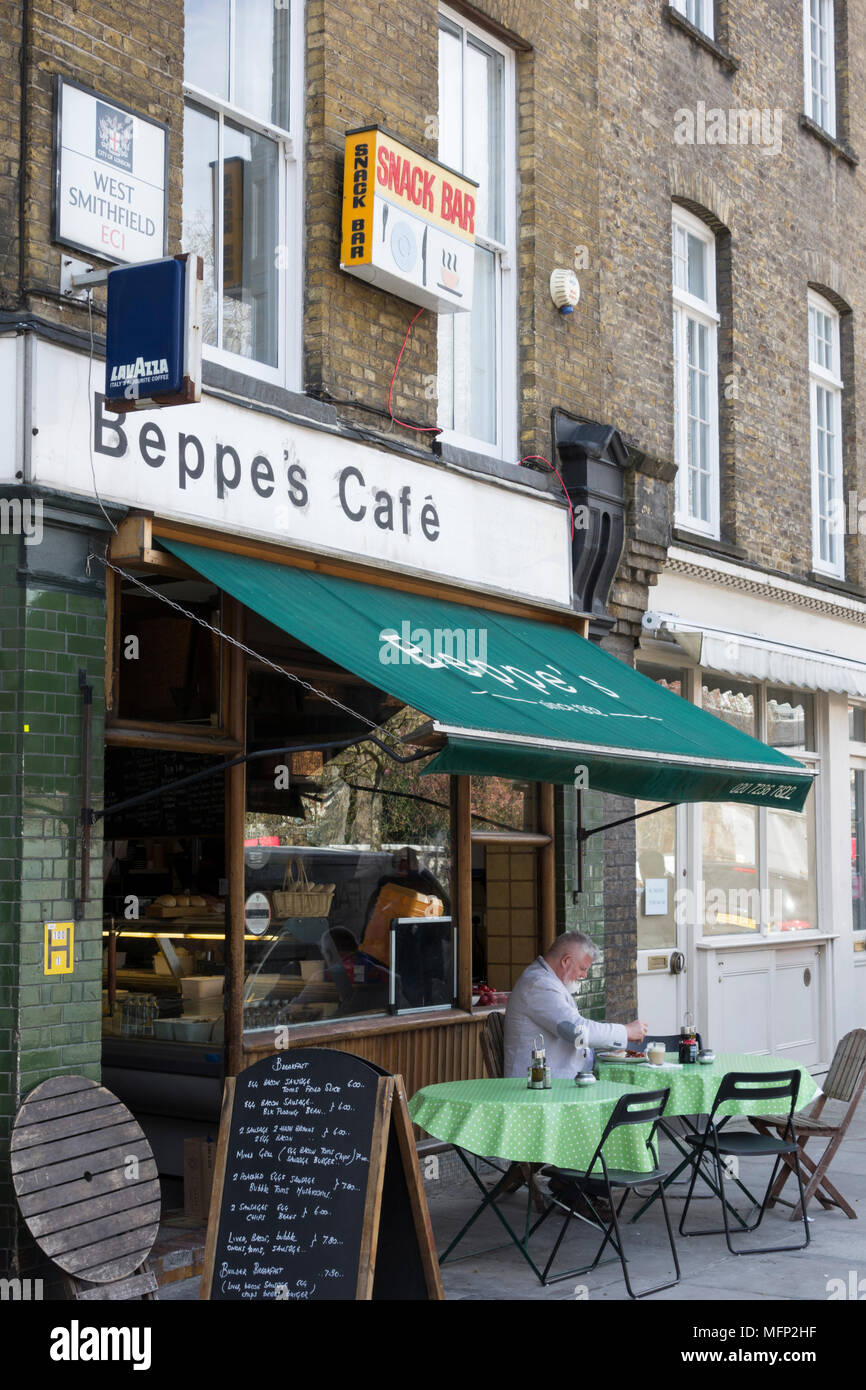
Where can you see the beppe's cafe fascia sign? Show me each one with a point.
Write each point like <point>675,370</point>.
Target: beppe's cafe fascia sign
<point>245,472</point>
<point>110,177</point>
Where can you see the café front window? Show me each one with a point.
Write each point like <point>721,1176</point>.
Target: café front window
<point>347,879</point>
<point>759,866</point>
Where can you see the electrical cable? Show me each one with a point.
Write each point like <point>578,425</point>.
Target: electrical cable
<point>420,429</point>
<point>90,415</point>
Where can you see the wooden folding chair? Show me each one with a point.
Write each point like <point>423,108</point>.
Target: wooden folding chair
<point>493,1052</point>
<point>493,1044</point>
<point>846,1081</point>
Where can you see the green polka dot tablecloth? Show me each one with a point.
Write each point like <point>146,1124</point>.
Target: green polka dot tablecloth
<point>694,1085</point>
<point>504,1119</point>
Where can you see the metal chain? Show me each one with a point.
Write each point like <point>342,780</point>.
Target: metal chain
<point>224,637</point>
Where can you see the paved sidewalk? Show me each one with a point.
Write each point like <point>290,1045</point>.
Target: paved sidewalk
<point>709,1272</point>
<point>837,1250</point>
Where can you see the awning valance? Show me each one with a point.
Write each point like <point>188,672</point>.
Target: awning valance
<point>512,696</point>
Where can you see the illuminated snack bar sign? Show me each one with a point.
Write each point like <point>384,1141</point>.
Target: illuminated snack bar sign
<point>110,177</point>
<point>408,223</point>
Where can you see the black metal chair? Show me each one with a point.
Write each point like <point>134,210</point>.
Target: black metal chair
<point>748,1086</point>
<point>576,1192</point>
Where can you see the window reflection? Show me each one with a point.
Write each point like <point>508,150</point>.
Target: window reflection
<point>732,702</point>
<point>655,878</point>
<point>729,842</point>
<point>346,846</point>
<point>790,720</point>
<point>793,902</point>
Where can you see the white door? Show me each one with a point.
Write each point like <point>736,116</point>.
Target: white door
<point>661,927</point>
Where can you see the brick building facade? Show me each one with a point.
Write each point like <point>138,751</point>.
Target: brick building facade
<point>587,171</point>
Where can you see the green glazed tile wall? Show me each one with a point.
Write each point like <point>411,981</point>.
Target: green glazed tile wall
<point>48,1024</point>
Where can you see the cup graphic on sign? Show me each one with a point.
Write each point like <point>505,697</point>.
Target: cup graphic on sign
<point>449,273</point>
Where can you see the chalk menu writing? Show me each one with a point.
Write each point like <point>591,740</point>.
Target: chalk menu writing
<point>296,1167</point>
<point>196,809</point>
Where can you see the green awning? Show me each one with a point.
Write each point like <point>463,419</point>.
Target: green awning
<point>513,697</point>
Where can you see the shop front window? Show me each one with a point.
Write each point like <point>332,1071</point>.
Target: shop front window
<point>656,837</point>
<point>732,702</point>
<point>730,879</point>
<point>347,886</point>
<point>164,906</point>
<point>793,904</point>
<point>790,721</point>
<point>759,869</point>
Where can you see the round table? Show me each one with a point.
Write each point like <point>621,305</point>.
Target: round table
<point>504,1119</point>
<point>693,1086</point>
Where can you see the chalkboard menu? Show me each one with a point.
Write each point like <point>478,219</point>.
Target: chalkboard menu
<point>197,809</point>
<point>308,1168</point>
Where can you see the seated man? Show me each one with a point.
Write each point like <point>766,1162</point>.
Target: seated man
<point>542,1002</point>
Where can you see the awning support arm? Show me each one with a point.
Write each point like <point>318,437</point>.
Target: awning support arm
<point>582,835</point>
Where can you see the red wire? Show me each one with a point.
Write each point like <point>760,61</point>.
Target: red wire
<point>564,488</point>
<point>421,429</point>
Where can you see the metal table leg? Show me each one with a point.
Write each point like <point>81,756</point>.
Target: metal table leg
<point>490,1201</point>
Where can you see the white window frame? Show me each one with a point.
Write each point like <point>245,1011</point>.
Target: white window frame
<point>699,13</point>
<point>687,306</point>
<point>830,382</point>
<point>809,91</point>
<point>506,259</point>
<point>290,205</point>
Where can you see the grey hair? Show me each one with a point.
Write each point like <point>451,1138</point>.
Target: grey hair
<point>574,941</point>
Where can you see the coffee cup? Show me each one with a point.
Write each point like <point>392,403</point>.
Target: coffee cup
<point>656,1053</point>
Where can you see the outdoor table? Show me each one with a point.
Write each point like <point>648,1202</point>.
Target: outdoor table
<point>504,1119</point>
<point>693,1088</point>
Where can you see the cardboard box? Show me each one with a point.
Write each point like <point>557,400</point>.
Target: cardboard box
<point>199,1159</point>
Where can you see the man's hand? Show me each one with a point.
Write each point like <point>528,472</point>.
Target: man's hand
<point>636,1031</point>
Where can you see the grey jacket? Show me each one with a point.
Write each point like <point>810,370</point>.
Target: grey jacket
<point>540,1003</point>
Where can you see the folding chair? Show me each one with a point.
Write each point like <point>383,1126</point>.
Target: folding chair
<point>846,1081</point>
<point>747,1086</point>
<point>574,1191</point>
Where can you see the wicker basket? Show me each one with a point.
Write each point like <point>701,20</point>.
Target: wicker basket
<point>298,897</point>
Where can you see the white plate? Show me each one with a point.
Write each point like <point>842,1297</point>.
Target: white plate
<point>606,1057</point>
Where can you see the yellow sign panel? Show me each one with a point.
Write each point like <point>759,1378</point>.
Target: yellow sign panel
<point>59,944</point>
<point>408,222</point>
